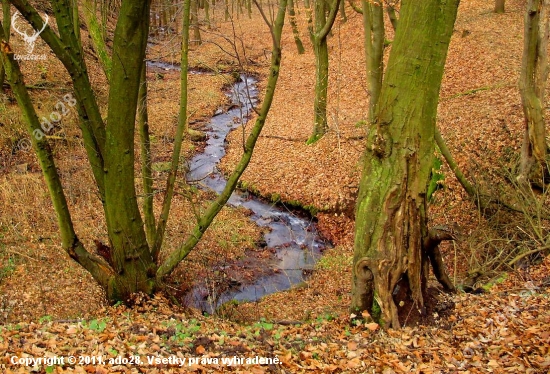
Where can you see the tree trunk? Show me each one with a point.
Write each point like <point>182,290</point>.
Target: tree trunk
<point>206,219</point>
<point>226,10</point>
<point>6,22</point>
<point>391,207</point>
<point>207,13</point>
<point>181,131</point>
<point>146,159</point>
<point>343,15</point>
<point>97,36</point>
<point>373,24</point>
<point>131,259</point>
<point>197,40</point>
<point>294,25</point>
<point>323,24</point>
<point>392,15</point>
<point>499,6</point>
<point>532,84</point>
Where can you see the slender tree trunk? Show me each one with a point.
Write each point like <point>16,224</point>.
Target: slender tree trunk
<point>294,25</point>
<point>391,207</point>
<point>207,13</point>
<point>343,16</point>
<point>373,24</point>
<point>226,10</point>
<point>97,37</point>
<point>392,15</point>
<point>6,21</point>
<point>146,159</point>
<point>197,40</point>
<point>181,131</point>
<point>323,25</point>
<point>499,6</point>
<point>204,222</point>
<point>249,8</point>
<point>532,85</point>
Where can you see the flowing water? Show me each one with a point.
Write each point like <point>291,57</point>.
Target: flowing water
<point>294,239</point>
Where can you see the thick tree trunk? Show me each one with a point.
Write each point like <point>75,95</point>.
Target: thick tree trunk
<point>532,86</point>
<point>391,220</point>
<point>131,259</point>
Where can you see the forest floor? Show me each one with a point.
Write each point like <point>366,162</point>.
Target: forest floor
<point>51,307</point>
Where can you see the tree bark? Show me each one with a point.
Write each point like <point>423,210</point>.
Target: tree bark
<point>499,6</point>
<point>392,15</point>
<point>146,159</point>
<point>197,40</point>
<point>6,21</point>
<point>391,217</point>
<point>323,24</point>
<point>373,25</point>
<point>98,268</point>
<point>532,85</point>
<point>132,261</point>
<point>97,36</point>
<point>181,131</point>
<point>294,25</point>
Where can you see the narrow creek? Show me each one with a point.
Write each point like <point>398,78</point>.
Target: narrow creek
<point>294,240</point>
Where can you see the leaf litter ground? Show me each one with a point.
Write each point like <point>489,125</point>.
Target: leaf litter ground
<point>51,307</point>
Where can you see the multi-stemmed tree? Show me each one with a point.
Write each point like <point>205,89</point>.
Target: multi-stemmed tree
<point>131,263</point>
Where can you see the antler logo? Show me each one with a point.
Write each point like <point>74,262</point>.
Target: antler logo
<point>29,39</point>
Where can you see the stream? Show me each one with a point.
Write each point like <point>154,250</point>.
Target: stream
<point>293,239</point>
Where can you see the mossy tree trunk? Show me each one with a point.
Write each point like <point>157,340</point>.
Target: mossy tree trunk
<point>499,6</point>
<point>534,74</point>
<point>129,263</point>
<point>6,21</point>
<point>97,35</point>
<point>374,33</point>
<point>197,40</point>
<point>391,235</point>
<point>373,25</point>
<point>204,222</point>
<point>392,14</point>
<point>131,259</point>
<point>319,32</point>
<point>294,25</point>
